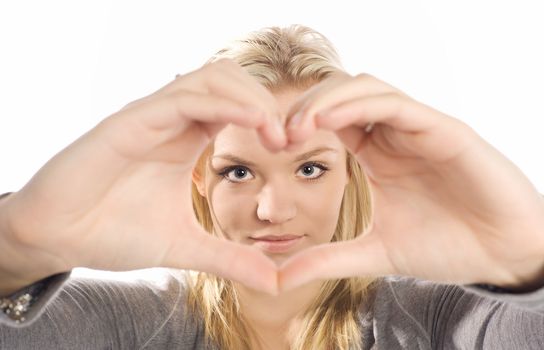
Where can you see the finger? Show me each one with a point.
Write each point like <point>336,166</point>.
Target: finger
<point>232,81</point>
<point>341,89</point>
<point>252,85</point>
<point>164,117</point>
<point>225,259</point>
<point>413,127</point>
<point>365,256</point>
<point>317,90</point>
<point>398,111</point>
<point>226,78</point>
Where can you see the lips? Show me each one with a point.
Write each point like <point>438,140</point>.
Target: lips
<point>276,237</point>
<point>276,243</point>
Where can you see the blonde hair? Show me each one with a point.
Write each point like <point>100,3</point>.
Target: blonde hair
<point>294,57</point>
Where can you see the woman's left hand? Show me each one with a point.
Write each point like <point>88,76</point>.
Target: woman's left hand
<point>447,206</point>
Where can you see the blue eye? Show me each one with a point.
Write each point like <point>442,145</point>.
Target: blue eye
<point>235,173</point>
<point>239,174</point>
<point>309,169</point>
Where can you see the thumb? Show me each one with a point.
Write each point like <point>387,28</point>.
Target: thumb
<point>223,258</point>
<point>364,256</point>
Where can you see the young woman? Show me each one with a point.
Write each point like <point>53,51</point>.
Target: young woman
<point>332,212</point>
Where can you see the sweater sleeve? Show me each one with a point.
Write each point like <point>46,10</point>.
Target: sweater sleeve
<point>94,313</point>
<point>41,292</point>
<point>475,317</point>
<point>468,317</point>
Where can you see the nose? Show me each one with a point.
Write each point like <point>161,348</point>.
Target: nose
<point>274,204</point>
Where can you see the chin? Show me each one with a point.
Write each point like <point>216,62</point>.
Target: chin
<point>279,259</point>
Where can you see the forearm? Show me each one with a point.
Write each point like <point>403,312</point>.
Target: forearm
<point>8,279</point>
<point>530,272</point>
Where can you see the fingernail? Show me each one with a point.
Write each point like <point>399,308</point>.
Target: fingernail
<point>295,120</point>
<point>324,113</point>
<point>255,111</point>
<point>292,147</point>
<point>280,132</point>
<point>279,127</point>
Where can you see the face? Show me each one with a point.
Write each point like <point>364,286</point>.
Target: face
<point>281,203</point>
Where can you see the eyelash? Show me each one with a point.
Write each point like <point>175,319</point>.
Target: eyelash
<point>224,172</point>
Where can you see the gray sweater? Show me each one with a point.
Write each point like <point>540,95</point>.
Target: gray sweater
<point>404,313</point>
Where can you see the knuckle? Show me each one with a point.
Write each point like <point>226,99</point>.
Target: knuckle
<point>221,66</point>
<point>364,77</point>
<point>133,103</point>
<point>211,68</point>
<point>179,99</point>
<point>128,106</point>
<point>398,101</point>
<point>306,109</point>
<point>339,75</point>
<point>226,63</point>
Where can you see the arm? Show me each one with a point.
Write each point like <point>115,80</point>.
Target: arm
<point>97,203</point>
<point>27,304</point>
<point>93,312</point>
<point>477,318</point>
<point>118,313</point>
<point>449,316</point>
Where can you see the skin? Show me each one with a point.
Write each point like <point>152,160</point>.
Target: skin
<point>276,195</point>
<point>448,206</point>
<point>119,198</point>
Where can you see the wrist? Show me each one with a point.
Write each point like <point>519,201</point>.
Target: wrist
<point>527,284</point>
<point>13,263</point>
<point>524,277</point>
<point>5,228</point>
<point>19,305</point>
<point>9,283</point>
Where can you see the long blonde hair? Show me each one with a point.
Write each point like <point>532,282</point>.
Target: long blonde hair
<point>295,57</point>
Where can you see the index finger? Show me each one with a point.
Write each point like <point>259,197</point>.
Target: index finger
<point>327,95</point>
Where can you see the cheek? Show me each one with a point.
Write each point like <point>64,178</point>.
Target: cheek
<point>322,209</point>
<point>318,207</point>
<point>232,208</point>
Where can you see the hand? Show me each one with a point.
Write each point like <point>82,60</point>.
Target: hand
<point>119,197</point>
<point>446,205</point>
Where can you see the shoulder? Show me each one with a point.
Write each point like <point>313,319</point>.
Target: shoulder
<point>154,292</point>
<point>408,300</point>
<point>123,310</point>
<point>155,285</point>
<point>148,303</point>
<point>413,295</point>
<point>403,309</point>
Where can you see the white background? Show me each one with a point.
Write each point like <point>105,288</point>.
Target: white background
<point>65,65</point>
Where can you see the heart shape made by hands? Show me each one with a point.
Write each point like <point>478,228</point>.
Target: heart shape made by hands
<point>434,211</point>
<point>442,205</point>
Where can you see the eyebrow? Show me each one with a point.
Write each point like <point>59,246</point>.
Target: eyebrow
<point>303,156</point>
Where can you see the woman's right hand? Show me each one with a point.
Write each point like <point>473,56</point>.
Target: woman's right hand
<point>119,197</point>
